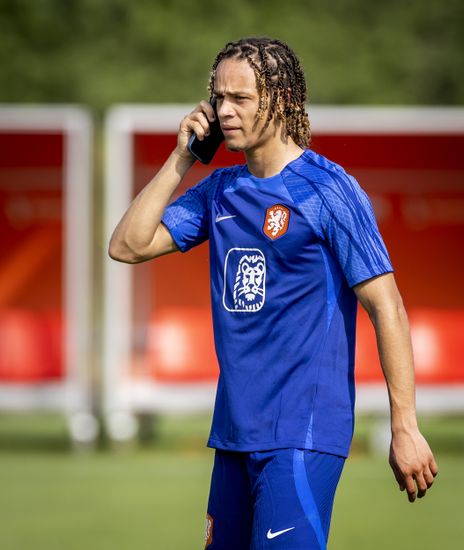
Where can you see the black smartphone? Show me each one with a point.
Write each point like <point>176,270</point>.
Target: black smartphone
<point>205,150</point>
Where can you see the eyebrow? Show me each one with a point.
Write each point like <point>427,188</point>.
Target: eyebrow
<point>232,92</point>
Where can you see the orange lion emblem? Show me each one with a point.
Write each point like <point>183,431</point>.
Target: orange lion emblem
<point>209,530</point>
<point>276,221</point>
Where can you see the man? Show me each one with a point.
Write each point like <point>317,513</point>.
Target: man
<point>293,245</point>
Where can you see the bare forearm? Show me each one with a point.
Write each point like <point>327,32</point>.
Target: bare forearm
<point>139,236</point>
<point>136,229</point>
<point>396,357</point>
<point>410,457</point>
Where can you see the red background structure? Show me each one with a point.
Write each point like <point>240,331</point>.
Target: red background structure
<point>31,197</point>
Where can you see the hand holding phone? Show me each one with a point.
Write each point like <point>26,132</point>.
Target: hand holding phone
<point>204,150</point>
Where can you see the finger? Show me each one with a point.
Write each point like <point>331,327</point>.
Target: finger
<point>204,109</point>
<point>201,119</point>
<point>421,485</point>
<point>410,488</point>
<point>398,476</point>
<point>433,467</point>
<point>428,476</point>
<point>197,128</point>
<point>208,110</point>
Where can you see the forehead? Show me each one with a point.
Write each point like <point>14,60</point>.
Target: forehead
<point>234,75</point>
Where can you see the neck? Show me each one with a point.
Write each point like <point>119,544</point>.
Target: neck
<point>271,157</point>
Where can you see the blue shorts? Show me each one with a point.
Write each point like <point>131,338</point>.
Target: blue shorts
<point>279,499</point>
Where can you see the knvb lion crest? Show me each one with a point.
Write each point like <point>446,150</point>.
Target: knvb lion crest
<point>244,280</point>
<point>276,221</point>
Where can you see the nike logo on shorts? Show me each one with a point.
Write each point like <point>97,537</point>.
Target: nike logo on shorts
<point>271,535</point>
<point>220,218</point>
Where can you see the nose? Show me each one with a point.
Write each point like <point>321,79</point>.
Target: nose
<point>224,109</point>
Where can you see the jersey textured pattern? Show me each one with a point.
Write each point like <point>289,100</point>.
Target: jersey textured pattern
<point>285,252</point>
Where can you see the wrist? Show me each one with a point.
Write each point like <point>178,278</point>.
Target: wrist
<point>404,423</point>
<point>183,158</point>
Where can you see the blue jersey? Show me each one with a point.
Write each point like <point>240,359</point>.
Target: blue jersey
<point>285,252</point>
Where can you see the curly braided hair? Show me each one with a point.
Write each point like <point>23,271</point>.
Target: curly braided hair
<point>277,69</point>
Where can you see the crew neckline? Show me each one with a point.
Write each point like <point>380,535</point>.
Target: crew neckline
<point>290,164</point>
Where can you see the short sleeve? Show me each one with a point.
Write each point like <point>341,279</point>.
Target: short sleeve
<point>351,231</point>
<point>187,218</point>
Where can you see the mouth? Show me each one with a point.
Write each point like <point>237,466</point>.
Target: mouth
<point>229,129</point>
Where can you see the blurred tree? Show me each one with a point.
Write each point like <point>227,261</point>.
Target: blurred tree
<point>107,51</point>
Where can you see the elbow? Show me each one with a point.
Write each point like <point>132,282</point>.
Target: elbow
<point>122,253</point>
<point>133,252</point>
<point>117,256</point>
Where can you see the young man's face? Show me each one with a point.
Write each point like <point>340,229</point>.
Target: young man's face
<point>237,105</point>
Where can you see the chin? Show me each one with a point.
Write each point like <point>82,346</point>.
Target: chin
<point>233,147</point>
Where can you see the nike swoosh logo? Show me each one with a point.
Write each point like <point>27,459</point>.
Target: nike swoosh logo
<point>271,535</point>
<point>220,218</point>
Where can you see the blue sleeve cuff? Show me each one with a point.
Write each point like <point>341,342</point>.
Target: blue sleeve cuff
<point>176,235</point>
<point>365,277</point>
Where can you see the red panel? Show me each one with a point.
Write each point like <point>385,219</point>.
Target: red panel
<point>424,152</point>
<point>31,203</point>
<point>437,344</point>
<point>181,345</point>
<point>31,150</point>
<point>30,346</point>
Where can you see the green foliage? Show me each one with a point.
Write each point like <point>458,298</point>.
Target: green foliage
<point>100,52</point>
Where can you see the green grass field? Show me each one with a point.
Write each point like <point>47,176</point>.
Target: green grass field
<point>153,496</point>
